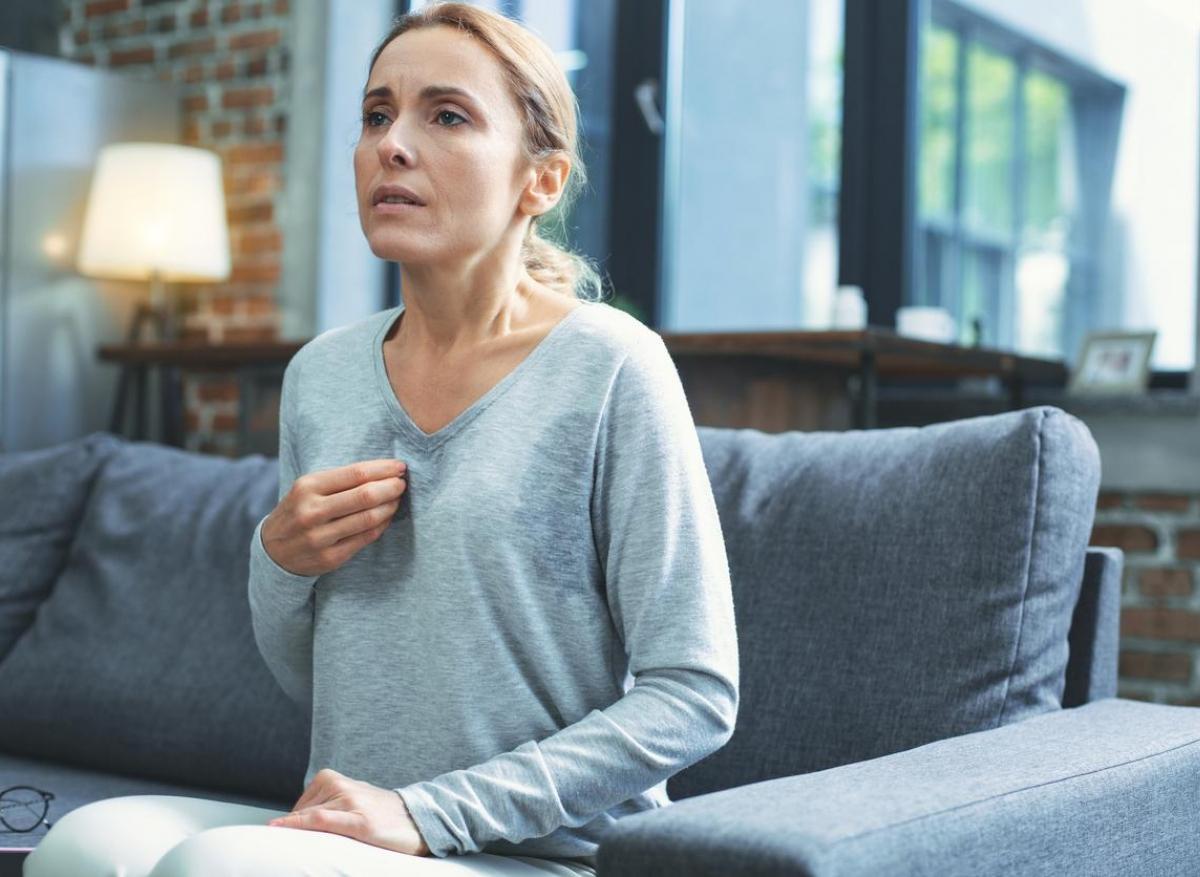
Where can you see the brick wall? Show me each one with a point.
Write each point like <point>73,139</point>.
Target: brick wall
<point>1160,615</point>
<point>230,60</point>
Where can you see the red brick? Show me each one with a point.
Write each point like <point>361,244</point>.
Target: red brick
<point>254,153</point>
<point>1125,536</point>
<point>1168,666</point>
<point>137,27</point>
<point>248,97</point>
<point>257,66</point>
<point>194,73</point>
<point>217,391</point>
<point>231,14</point>
<point>259,39</point>
<point>250,213</point>
<point>1163,502</point>
<point>104,7</point>
<point>202,46</point>
<point>195,103</point>
<point>1187,544</point>
<point>1110,500</point>
<point>199,18</point>
<point>269,241</point>
<point>1165,582</point>
<point>224,422</point>
<point>226,70</point>
<point>261,304</point>
<point>255,272</point>
<point>281,7</point>
<point>221,128</point>
<point>140,55</point>
<point>1161,623</point>
<point>259,183</point>
<point>165,24</point>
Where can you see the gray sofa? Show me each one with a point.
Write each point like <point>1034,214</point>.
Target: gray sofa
<point>928,656</point>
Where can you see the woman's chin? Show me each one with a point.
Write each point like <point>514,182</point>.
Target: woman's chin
<point>394,248</point>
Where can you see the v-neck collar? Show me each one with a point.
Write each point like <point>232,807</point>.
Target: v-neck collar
<point>429,440</point>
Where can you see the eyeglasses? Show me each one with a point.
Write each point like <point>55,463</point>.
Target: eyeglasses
<point>24,808</point>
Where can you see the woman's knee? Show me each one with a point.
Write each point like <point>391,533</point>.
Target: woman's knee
<point>104,837</point>
<point>228,850</point>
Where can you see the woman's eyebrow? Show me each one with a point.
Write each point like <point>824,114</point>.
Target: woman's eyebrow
<point>429,92</point>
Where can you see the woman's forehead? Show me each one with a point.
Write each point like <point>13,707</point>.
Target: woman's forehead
<point>437,56</point>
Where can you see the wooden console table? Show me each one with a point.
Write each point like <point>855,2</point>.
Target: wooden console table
<point>249,360</point>
<point>783,380</point>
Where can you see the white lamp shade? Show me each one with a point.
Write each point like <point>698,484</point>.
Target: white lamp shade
<point>156,207</point>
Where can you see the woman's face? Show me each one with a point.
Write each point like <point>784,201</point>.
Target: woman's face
<point>459,153</point>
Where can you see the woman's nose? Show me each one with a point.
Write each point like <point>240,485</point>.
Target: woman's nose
<point>394,148</point>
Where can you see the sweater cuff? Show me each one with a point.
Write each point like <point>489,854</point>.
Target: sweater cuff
<point>440,841</point>
<point>263,568</point>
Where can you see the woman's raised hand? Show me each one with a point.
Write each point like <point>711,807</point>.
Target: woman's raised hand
<point>327,516</point>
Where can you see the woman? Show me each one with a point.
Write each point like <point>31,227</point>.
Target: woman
<point>495,575</point>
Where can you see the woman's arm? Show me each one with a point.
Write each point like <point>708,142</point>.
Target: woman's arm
<point>659,540</point>
<point>282,602</point>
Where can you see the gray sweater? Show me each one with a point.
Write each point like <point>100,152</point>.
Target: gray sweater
<point>544,633</point>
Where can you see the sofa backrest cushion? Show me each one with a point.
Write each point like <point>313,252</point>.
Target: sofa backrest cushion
<point>142,660</point>
<point>42,494</point>
<point>898,586</point>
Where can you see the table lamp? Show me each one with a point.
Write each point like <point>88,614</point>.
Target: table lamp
<point>155,212</point>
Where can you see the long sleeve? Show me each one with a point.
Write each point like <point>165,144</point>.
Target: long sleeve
<point>658,538</point>
<point>282,602</point>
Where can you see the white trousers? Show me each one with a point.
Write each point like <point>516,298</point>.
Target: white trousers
<point>178,836</point>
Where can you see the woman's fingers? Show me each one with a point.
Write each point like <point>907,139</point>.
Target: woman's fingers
<point>319,818</point>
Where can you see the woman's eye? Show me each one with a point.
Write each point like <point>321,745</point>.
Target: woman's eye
<point>370,114</point>
<point>442,113</point>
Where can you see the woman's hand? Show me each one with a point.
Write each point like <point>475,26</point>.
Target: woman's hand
<point>327,516</point>
<point>336,803</point>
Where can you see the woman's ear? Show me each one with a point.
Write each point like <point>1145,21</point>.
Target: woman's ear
<point>546,185</point>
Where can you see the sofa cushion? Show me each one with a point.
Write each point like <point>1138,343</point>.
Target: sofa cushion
<point>142,660</point>
<point>897,586</point>
<point>44,492</point>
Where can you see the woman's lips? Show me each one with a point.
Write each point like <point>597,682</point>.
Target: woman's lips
<point>392,207</point>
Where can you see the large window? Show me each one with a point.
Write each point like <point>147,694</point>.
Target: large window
<point>1003,240</point>
<point>752,165</point>
<point>1057,172</point>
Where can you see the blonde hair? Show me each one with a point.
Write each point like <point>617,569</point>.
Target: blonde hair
<point>549,111</point>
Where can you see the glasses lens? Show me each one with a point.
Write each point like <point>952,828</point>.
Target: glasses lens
<point>22,809</point>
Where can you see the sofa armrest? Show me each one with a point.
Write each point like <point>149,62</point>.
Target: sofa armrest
<point>1109,787</point>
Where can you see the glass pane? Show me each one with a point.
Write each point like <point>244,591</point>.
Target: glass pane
<point>1041,281</point>
<point>753,166</point>
<point>991,89</point>
<point>939,110</point>
<point>983,275</point>
<point>1050,169</point>
<point>825,161</point>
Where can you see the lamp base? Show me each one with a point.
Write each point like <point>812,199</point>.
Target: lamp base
<point>159,314</point>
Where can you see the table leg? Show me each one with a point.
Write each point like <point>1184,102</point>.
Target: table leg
<point>868,391</point>
<point>139,433</point>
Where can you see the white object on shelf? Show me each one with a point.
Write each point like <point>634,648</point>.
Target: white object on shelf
<point>849,308</point>
<point>926,323</point>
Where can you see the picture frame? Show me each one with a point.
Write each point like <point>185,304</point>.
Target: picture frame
<point>1113,363</point>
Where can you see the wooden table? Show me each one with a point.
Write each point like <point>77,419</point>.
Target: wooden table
<point>249,360</point>
<point>798,379</point>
